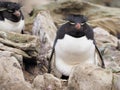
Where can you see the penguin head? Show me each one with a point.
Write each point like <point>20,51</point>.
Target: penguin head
<point>11,11</point>
<point>14,8</point>
<point>77,20</point>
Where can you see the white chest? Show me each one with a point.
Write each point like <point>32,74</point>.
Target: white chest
<point>9,26</point>
<point>72,51</point>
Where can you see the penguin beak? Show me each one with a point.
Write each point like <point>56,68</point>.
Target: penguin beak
<point>77,26</point>
<point>17,13</point>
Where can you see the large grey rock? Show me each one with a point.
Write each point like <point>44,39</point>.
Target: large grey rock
<point>112,58</point>
<point>90,77</point>
<point>107,44</point>
<point>39,83</point>
<point>116,82</point>
<point>110,24</point>
<point>21,46</point>
<point>17,85</point>
<point>10,68</point>
<point>111,3</point>
<point>104,38</point>
<point>44,27</point>
<point>26,43</point>
<point>48,82</point>
<point>11,75</point>
<point>25,48</point>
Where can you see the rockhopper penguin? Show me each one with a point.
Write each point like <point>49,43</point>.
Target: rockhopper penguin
<point>11,17</point>
<point>75,44</point>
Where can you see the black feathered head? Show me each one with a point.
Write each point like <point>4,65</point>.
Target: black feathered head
<point>10,5</point>
<point>76,18</point>
<point>11,11</point>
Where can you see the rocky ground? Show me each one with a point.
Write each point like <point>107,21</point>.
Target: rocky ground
<point>24,58</point>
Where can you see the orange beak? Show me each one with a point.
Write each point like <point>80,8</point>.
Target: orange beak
<point>78,26</point>
<point>17,13</point>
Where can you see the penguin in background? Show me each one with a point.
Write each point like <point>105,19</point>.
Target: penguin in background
<point>11,17</point>
<point>74,44</point>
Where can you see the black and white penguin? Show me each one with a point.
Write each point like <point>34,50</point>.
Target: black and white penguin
<point>75,44</point>
<point>11,17</point>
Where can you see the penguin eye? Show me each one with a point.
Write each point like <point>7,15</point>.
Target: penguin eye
<point>11,11</point>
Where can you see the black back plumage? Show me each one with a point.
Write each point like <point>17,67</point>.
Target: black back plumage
<point>7,9</point>
<point>70,29</point>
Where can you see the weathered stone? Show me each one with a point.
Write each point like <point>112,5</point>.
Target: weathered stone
<point>24,48</point>
<point>108,44</point>
<point>48,82</point>
<point>21,41</point>
<point>44,27</point>
<point>116,82</point>
<point>7,53</point>
<point>111,58</point>
<point>11,75</point>
<point>15,51</point>
<point>52,82</point>
<point>39,83</point>
<point>17,85</point>
<point>24,42</point>
<point>104,38</point>
<point>110,24</point>
<point>10,69</point>
<point>110,3</point>
<point>90,77</point>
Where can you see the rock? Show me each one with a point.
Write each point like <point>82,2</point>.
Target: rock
<point>11,75</point>
<point>16,85</point>
<point>39,83</point>
<point>104,38</point>
<point>20,41</point>
<point>110,24</point>
<point>25,48</point>
<point>45,29</point>
<point>8,53</point>
<point>52,82</point>
<point>28,6</point>
<point>48,82</point>
<point>111,58</point>
<point>110,3</point>
<point>115,3</point>
<point>108,45</point>
<point>116,82</point>
<point>14,50</point>
<point>64,7</point>
<point>90,77</point>
<point>10,67</point>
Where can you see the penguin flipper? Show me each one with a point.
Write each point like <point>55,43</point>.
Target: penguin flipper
<point>51,56</point>
<point>50,59</point>
<point>100,57</point>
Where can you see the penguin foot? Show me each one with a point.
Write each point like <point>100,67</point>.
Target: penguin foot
<point>64,77</point>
